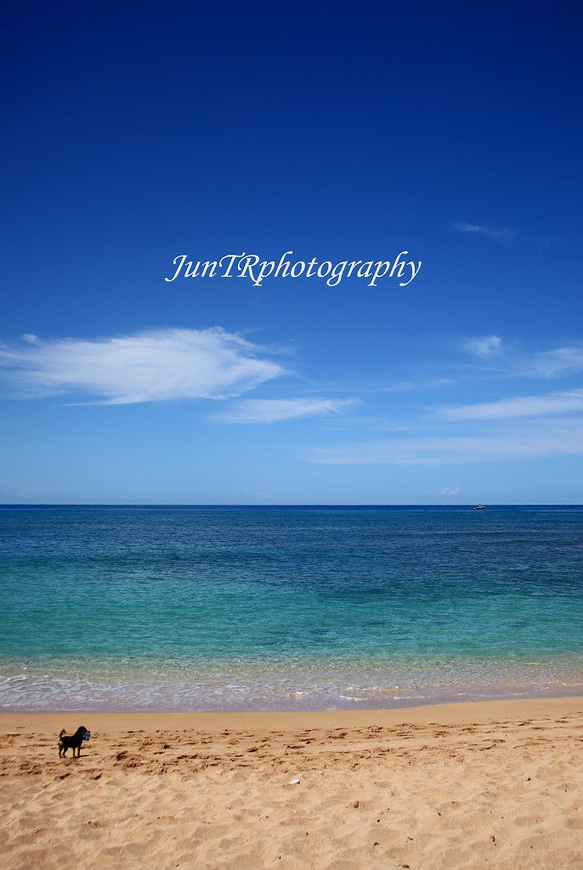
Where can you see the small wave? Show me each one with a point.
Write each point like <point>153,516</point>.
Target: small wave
<point>16,678</point>
<point>105,685</point>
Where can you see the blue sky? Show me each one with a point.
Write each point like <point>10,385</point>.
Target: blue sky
<point>137,134</point>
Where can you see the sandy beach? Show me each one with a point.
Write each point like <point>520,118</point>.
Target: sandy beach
<point>494,784</point>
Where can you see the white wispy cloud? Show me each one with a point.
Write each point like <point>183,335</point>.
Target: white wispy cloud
<point>484,346</point>
<point>411,386</point>
<point>502,235</point>
<point>550,363</point>
<point>276,410</point>
<point>519,406</point>
<point>514,360</point>
<point>146,367</point>
<point>550,438</point>
<point>450,490</point>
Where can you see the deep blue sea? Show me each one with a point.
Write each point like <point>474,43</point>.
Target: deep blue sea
<point>227,608</point>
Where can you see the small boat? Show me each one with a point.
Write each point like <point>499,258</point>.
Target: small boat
<point>480,507</point>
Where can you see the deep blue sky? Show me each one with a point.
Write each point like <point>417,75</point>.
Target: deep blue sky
<point>138,132</point>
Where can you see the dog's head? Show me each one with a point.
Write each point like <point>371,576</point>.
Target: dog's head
<point>81,732</point>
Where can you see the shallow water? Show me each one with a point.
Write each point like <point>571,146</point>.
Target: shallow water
<point>287,608</point>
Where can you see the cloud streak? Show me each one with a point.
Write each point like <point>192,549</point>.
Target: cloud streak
<point>277,410</point>
<point>513,360</point>
<point>501,235</point>
<point>155,366</point>
<point>562,436</point>
<point>519,406</point>
<point>550,363</point>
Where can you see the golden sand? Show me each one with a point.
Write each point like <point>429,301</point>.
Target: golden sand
<point>485,785</point>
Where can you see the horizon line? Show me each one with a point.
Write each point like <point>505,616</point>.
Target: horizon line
<point>277,505</point>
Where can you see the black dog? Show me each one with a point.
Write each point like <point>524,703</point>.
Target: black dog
<point>72,741</point>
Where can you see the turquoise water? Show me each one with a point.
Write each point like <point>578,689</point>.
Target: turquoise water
<point>287,608</point>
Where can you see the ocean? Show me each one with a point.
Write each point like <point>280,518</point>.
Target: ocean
<point>287,608</point>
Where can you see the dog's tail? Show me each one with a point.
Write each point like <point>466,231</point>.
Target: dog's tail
<point>64,731</point>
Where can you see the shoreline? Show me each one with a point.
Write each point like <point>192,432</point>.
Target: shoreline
<point>259,720</point>
<point>146,686</point>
